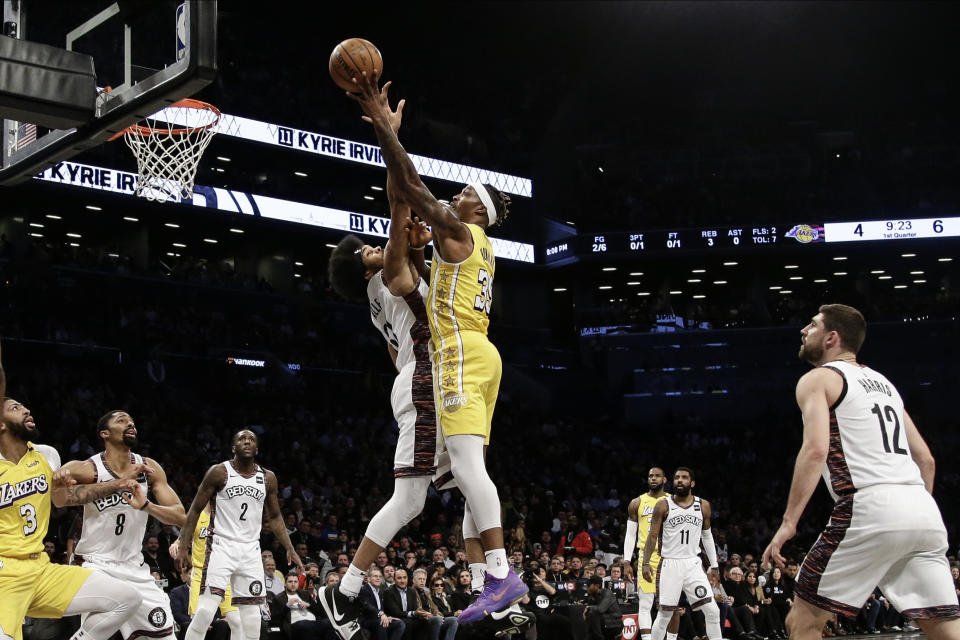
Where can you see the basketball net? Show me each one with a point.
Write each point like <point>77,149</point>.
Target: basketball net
<point>168,147</point>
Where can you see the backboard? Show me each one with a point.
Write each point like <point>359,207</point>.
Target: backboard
<point>151,52</point>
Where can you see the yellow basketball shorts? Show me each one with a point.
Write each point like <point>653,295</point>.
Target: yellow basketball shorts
<point>36,588</point>
<point>197,576</point>
<point>466,381</point>
<point>642,585</point>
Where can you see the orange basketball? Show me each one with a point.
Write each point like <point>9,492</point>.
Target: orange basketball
<point>351,58</point>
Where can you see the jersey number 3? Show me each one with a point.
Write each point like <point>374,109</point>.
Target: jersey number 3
<point>29,513</point>
<point>483,301</point>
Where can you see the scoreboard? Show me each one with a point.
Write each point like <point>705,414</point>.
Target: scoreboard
<point>622,244</point>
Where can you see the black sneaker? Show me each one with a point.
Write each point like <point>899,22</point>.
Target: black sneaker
<point>510,621</point>
<point>342,612</point>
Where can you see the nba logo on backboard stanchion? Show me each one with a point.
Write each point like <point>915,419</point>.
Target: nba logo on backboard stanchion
<point>181,31</point>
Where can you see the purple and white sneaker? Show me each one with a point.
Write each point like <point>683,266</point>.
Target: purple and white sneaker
<point>498,594</point>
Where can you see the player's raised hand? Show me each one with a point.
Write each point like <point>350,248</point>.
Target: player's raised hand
<point>136,498</point>
<point>780,538</point>
<point>134,470</point>
<point>293,558</point>
<point>418,234</point>
<point>375,102</point>
<point>174,549</point>
<point>63,478</point>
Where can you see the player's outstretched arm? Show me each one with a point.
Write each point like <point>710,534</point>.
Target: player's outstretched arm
<point>656,528</point>
<point>396,255</point>
<point>214,480</point>
<point>67,493</point>
<point>419,236</point>
<point>446,225</point>
<point>920,452</point>
<point>275,519</point>
<point>167,509</point>
<point>706,536</point>
<point>82,471</point>
<point>812,399</point>
<point>630,539</point>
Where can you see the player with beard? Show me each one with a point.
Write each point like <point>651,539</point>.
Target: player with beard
<point>238,490</point>
<point>886,529</point>
<point>467,367</point>
<point>114,526</point>
<point>639,517</point>
<point>680,522</point>
<point>30,585</point>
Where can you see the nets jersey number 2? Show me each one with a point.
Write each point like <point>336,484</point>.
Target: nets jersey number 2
<point>484,299</point>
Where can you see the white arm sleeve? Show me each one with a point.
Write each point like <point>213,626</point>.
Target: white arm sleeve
<point>706,537</point>
<point>48,452</point>
<point>630,541</point>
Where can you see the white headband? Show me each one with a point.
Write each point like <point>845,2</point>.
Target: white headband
<point>487,201</point>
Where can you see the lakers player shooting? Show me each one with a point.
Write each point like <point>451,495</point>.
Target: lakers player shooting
<point>639,517</point>
<point>238,490</point>
<point>30,585</point>
<point>466,365</point>
<point>390,280</point>
<point>114,526</point>
<point>886,529</point>
<point>680,522</point>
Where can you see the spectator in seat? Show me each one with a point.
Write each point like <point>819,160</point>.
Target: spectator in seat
<point>767,619</point>
<point>745,605</point>
<point>401,601</point>
<point>575,539</point>
<point>780,600</point>
<point>374,618</point>
<point>299,616</point>
<point>441,627</point>
<point>461,598</point>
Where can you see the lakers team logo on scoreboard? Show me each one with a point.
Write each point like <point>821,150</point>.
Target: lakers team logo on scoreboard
<point>805,233</point>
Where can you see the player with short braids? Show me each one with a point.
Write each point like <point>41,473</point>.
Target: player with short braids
<point>501,202</point>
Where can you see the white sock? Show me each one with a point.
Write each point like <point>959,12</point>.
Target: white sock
<point>497,564</point>
<point>478,571</point>
<point>352,581</point>
<point>671,636</point>
<point>644,636</point>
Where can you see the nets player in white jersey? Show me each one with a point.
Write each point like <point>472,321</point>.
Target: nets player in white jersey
<point>394,280</point>
<point>114,526</point>
<point>238,491</point>
<point>885,529</point>
<point>680,522</point>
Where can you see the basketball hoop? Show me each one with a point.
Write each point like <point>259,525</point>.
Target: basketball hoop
<point>168,147</point>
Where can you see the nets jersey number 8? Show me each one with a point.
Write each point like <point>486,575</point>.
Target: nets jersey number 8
<point>483,301</point>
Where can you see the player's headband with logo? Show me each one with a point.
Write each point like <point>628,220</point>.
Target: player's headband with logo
<point>487,201</point>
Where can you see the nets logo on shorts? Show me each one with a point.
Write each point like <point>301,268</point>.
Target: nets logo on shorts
<point>256,588</point>
<point>700,591</point>
<point>158,618</point>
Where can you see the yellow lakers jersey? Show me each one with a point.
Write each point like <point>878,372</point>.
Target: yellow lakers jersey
<point>25,500</point>
<point>461,293</point>
<point>200,535</point>
<point>645,517</point>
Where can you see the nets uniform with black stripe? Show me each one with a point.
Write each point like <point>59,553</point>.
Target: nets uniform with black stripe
<point>885,529</point>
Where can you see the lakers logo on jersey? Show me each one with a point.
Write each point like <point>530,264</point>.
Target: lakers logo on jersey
<point>10,493</point>
<point>646,512</point>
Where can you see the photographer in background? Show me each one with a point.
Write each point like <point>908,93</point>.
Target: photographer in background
<point>602,609</point>
<point>549,624</point>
